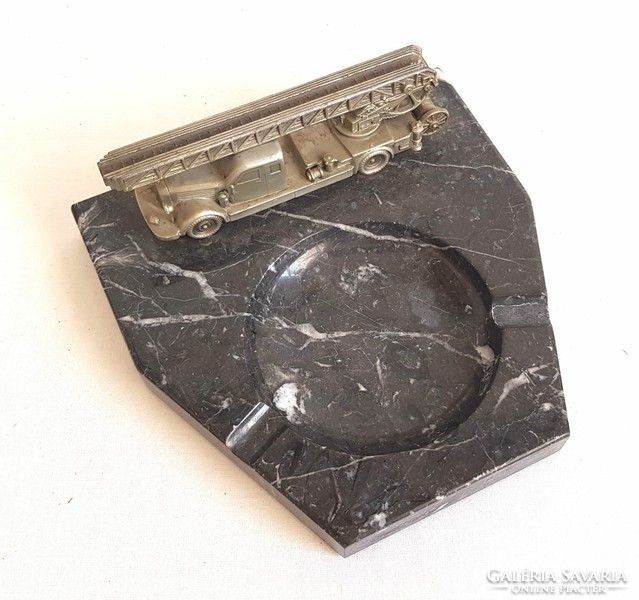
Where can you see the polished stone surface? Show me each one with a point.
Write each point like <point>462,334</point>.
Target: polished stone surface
<point>371,352</point>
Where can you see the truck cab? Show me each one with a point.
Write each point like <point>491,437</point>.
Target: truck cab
<point>242,177</point>
<point>257,172</point>
<point>218,189</point>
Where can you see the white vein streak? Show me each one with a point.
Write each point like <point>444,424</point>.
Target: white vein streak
<point>308,329</point>
<point>383,237</point>
<point>453,166</point>
<point>512,384</point>
<point>177,319</point>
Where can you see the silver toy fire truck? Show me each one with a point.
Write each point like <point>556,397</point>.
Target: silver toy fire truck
<point>191,180</point>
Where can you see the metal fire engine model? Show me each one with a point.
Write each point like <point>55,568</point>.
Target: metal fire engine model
<point>191,180</point>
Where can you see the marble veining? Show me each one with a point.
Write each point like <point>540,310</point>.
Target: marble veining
<point>371,352</point>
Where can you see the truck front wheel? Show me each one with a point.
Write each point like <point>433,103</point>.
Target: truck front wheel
<point>204,226</point>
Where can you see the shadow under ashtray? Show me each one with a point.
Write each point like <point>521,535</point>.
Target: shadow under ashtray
<point>372,344</point>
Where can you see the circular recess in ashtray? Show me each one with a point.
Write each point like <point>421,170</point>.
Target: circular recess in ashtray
<point>372,338</point>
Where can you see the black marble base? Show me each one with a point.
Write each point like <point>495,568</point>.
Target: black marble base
<point>370,353</point>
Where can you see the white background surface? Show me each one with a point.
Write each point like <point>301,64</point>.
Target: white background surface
<point>105,492</point>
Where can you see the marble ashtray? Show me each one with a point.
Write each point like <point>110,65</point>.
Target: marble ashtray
<point>371,352</point>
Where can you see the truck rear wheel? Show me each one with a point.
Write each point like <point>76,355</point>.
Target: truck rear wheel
<point>433,120</point>
<point>374,161</point>
<point>204,226</point>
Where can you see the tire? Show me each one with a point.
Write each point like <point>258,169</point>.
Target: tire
<point>433,120</point>
<point>204,226</point>
<point>374,161</point>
